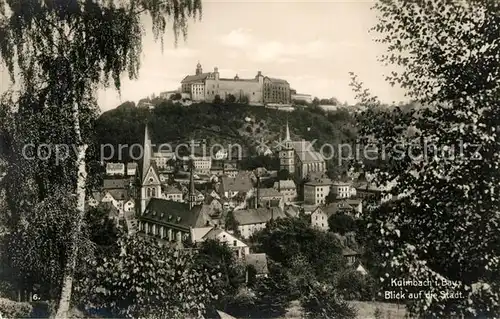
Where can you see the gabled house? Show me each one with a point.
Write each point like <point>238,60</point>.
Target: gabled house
<point>239,248</point>
<point>231,186</point>
<point>172,193</point>
<point>288,189</point>
<point>348,206</point>
<point>319,218</point>
<point>269,197</point>
<point>315,191</point>
<point>131,169</point>
<point>350,255</point>
<point>215,204</point>
<point>252,220</point>
<point>115,169</point>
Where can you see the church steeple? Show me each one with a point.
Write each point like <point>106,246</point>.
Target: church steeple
<point>199,70</point>
<point>287,137</point>
<point>192,195</point>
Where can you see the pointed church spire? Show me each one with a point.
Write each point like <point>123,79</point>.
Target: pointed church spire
<point>146,156</point>
<point>287,138</point>
<point>192,196</point>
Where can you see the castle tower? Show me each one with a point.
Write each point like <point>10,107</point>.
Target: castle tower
<point>149,180</point>
<point>199,70</point>
<point>286,154</point>
<point>192,195</point>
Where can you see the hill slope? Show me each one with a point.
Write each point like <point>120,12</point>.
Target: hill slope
<point>224,124</point>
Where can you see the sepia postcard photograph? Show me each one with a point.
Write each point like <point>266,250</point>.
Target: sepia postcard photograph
<point>278,159</point>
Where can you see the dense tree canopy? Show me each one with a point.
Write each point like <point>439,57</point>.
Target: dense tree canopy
<point>444,226</point>
<point>59,52</point>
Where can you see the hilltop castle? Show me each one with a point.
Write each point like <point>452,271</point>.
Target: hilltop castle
<point>261,89</point>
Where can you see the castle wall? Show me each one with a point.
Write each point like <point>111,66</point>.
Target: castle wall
<point>239,88</point>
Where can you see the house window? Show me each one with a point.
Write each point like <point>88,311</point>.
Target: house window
<point>154,192</point>
<point>235,243</point>
<point>148,192</point>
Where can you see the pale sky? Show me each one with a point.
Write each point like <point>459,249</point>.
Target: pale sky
<point>312,45</point>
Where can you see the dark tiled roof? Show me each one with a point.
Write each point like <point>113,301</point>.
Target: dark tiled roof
<point>213,233</point>
<point>258,261</point>
<point>115,183</point>
<point>310,157</point>
<point>118,194</point>
<point>349,252</point>
<point>269,192</point>
<point>169,189</point>
<point>277,81</point>
<point>257,215</point>
<point>177,214</point>
<point>241,183</point>
<point>195,78</point>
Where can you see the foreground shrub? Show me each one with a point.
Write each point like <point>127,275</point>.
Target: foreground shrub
<point>13,309</point>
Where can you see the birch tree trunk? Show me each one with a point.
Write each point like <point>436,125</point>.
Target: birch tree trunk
<point>67,282</point>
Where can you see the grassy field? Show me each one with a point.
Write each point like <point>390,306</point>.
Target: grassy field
<point>366,310</point>
<point>388,310</point>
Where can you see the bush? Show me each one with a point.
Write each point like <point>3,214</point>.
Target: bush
<point>13,309</point>
<point>355,286</point>
<point>230,98</point>
<point>217,99</point>
<point>323,302</point>
<point>341,223</point>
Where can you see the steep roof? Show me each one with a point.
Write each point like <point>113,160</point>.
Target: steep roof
<point>310,157</point>
<point>195,78</point>
<point>269,192</point>
<point>302,146</point>
<point>169,189</point>
<point>213,233</point>
<point>176,214</point>
<point>292,211</point>
<point>118,194</point>
<point>257,215</point>
<point>258,261</point>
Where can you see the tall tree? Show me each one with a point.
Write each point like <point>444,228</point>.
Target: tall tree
<point>444,225</point>
<point>63,50</point>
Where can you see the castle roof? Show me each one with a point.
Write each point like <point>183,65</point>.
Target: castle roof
<point>277,81</point>
<point>195,78</point>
